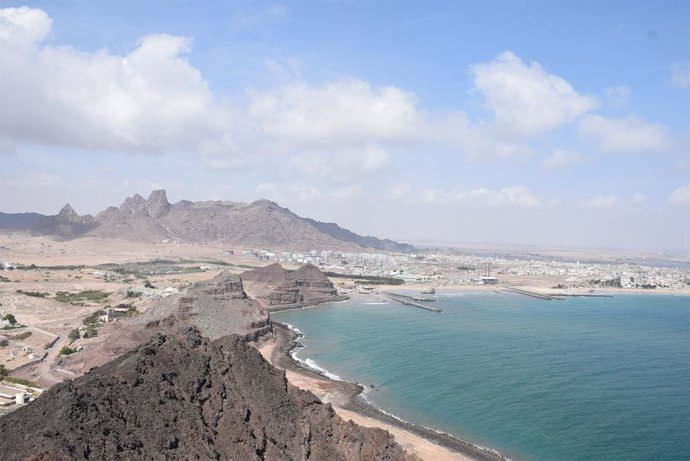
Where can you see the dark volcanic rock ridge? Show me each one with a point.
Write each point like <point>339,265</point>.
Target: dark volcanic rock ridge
<point>183,397</point>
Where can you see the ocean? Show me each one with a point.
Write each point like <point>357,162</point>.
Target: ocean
<point>578,379</point>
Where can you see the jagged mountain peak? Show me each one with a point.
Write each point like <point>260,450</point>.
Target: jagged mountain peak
<point>262,223</point>
<point>132,204</point>
<point>67,211</point>
<point>157,204</point>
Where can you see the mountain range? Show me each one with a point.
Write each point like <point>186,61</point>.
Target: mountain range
<point>258,224</point>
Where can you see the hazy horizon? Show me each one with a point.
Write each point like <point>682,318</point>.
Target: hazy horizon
<point>527,123</point>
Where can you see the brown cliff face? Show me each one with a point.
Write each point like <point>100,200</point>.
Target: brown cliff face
<point>274,286</point>
<point>306,284</point>
<point>182,397</point>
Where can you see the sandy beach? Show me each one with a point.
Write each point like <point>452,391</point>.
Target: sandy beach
<point>345,397</point>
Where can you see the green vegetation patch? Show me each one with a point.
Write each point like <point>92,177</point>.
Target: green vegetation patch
<point>86,295</point>
<point>10,318</point>
<point>34,294</point>
<point>67,351</point>
<point>367,279</point>
<point>74,335</point>
<point>4,279</point>
<point>124,311</point>
<point>153,267</point>
<point>24,382</point>
<point>92,322</point>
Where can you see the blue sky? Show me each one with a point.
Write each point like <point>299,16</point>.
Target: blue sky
<point>554,123</point>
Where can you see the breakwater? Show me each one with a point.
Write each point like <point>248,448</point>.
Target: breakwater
<point>412,301</point>
<point>532,294</point>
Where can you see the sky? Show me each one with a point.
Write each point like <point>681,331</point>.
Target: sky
<point>546,123</point>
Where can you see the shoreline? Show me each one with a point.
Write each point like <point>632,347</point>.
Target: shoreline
<point>571,292</point>
<point>348,401</point>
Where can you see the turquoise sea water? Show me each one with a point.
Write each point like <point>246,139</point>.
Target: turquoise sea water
<point>579,379</point>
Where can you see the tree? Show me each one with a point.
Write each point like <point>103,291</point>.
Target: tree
<point>10,318</point>
<point>91,332</point>
<point>67,351</point>
<point>3,372</point>
<point>74,335</point>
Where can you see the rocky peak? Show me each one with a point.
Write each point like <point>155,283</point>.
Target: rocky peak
<point>157,204</point>
<point>67,212</point>
<point>69,216</point>
<point>132,204</point>
<point>182,397</point>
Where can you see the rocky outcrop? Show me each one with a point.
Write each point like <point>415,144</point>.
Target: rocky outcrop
<point>260,283</point>
<point>157,204</point>
<point>273,286</point>
<point>183,397</point>
<point>66,224</point>
<point>217,307</point>
<point>303,285</point>
<point>258,224</point>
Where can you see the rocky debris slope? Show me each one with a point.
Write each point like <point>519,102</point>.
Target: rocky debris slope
<point>259,224</point>
<point>274,286</point>
<point>182,397</point>
<point>217,307</point>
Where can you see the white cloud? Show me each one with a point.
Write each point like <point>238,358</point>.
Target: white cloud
<point>346,111</point>
<point>524,98</point>
<point>680,75</point>
<point>35,180</point>
<point>618,95</point>
<point>150,100</point>
<point>341,164</point>
<point>474,141</point>
<point>349,193</point>
<point>398,192</point>
<point>601,202</point>
<point>23,26</point>
<point>507,196</point>
<point>639,199</point>
<point>432,196</point>
<point>680,196</point>
<point>626,135</point>
<point>288,192</point>
<point>561,159</point>
<point>512,196</point>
